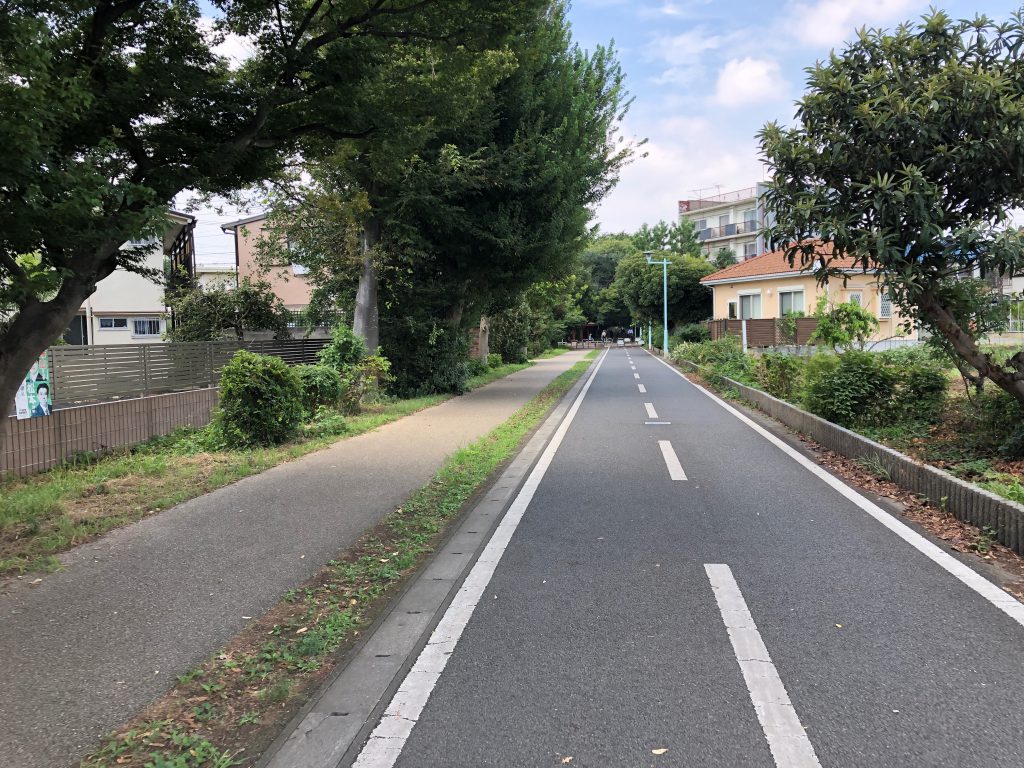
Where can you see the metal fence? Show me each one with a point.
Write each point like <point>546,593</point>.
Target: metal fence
<point>98,372</point>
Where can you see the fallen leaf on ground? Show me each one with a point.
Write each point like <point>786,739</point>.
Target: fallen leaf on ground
<point>661,751</point>
<point>300,631</point>
<point>567,759</point>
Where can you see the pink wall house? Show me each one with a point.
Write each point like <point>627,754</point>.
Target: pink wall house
<point>288,281</point>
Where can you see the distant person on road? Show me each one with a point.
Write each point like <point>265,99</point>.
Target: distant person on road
<point>42,400</point>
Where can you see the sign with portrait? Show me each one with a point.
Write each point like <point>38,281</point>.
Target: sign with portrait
<point>34,397</point>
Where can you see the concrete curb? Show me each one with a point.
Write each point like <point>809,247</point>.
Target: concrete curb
<point>964,500</point>
<point>329,730</point>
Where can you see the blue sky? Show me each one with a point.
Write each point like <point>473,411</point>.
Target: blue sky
<point>707,74</point>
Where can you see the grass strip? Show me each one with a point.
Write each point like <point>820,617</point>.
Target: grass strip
<point>551,352</point>
<point>49,513</point>
<point>228,710</point>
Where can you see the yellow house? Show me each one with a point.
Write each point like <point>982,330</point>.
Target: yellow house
<point>767,287</point>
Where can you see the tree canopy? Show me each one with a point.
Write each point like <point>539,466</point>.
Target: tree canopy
<point>908,157</point>
<point>641,287</point>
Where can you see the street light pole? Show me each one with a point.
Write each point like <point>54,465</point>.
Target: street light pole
<point>664,298</point>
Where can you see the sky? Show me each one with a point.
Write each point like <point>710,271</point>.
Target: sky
<point>705,76</point>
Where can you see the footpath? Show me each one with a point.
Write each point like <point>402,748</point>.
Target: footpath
<point>93,644</point>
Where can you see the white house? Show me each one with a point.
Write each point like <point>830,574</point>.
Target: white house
<point>730,220</point>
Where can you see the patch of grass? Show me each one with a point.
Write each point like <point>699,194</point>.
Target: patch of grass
<point>592,354</point>
<point>1005,485</point>
<point>493,374</point>
<point>49,513</point>
<point>547,354</point>
<point>265,672</point>
<point>874,465</point>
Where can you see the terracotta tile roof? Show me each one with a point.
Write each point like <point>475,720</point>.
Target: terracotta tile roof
<point>774,263</point>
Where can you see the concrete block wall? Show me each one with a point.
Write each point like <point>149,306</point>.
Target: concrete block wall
<point>964,500</point>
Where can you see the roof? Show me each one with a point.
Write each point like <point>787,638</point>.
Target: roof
<point>772,265</point>
<point>231,225</point>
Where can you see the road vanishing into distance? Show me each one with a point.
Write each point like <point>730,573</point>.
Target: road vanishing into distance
<point>674,586</point>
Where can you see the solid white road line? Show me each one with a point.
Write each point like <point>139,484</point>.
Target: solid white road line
<point>651,413</point>
<point>636,375</point>
<point>657,422</point>
<point>969,577</point>
<point>786,737</point>
<point>388,738</point>
<point>643,389</point>
<point>675,469</point>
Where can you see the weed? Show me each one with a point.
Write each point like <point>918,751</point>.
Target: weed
<point>248,718</point>
<point>278,692</point>
<point>986,537</point>
<point>873,464</point>
<point>192,674</point>
<point>203,712</point>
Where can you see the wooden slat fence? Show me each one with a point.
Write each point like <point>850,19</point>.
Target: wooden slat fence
<point>96,372</point>
<point>35,445</point>
<point>765,332</point>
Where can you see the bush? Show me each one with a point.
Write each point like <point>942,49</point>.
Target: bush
<point>690,332</point>
<point>922,389</point>
<point>260,400</point>
<point>718,358</point>
<point>427,356</point>
<point>854,388</point>
<point>321,385</point>
<point>780,375</point>
<point>510,333</point>
<point>999,423</point>
<point>372,372</point>
<point>344,350</point>
<point>494,360</point>
<point>475,366</point>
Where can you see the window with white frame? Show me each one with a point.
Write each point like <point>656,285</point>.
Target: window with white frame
<point>114,323</point>
<point>790,301</point>
<point>145,326</point>
<point>732,310</point>
<point>749,250</point>
<point>855,297</point>
<point>750,306</point>
<point>723,220</point>
<point>702,224</point>
<point>885,306</point>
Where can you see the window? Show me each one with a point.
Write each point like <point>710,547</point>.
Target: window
<point>749,250</point>
<point>885,307</point>
<point>114,322</point>
<point>723,220</point>
<point>298,269</point>
<point>145,326</point>
<point>854,297</point>
<point>732,310</point>
<point>750,306</point>
<point>750,215</point>
<point>702,224</point>
<point>790,301</point>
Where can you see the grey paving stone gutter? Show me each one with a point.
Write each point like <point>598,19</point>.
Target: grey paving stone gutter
<point>964,500</point>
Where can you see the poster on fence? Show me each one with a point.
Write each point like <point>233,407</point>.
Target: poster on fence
<point>33,398</point>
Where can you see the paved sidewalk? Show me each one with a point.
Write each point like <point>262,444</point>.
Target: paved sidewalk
<point>91,645</point>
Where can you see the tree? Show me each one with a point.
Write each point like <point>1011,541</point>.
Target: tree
<point>678,237</point>
<point>206,314</point>
<point>641,287</point>
<point>724,257</point>
<point>597,263</point>
<point>908,156</point>
<point>108,110</point>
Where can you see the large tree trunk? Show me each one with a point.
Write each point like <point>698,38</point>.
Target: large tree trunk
<point>365,319</point>
<point>1011,382</point>
<point>484,344</point>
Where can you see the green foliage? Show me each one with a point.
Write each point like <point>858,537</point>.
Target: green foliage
<point>320,384</point>
<point>343,351</point>
<point>780,375</point>
<point>898,159</point>
<point>842,326</point>
<point>690,332</point>
<point>494,360</point>
<point>475,366</point>
<point>641,286</point>
<point>428,356</point>
<point>370,374</point>
<point>855,388</point>
<point>921,392</point>
<point>260,400</point>
<point>999,423</point>
<point>722,357</point>
<point>207,314</point>
<point>677,237</point>
<point>724,257</point>
<point>510,333</point>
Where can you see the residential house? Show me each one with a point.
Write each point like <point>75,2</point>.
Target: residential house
<point>215,275</point>
<point>732,220</point>
<point>288,280</point>
<point>128,308</point>
<point>766,286</point>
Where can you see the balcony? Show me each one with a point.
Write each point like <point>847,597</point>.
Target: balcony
<point>685,206</point>
<point>729,230</point>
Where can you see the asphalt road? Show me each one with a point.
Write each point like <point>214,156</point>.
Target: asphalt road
<point>96,642</point>
<point>602,635</point>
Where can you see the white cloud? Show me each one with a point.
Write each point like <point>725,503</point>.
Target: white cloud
<point>831,22</point>
<point>683,54</point>
<point>684,154</point>
<point>749,81</point>
<point>674,10</point>
<point>235,48</point>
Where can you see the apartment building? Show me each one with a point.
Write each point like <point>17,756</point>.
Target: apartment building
<point>730,220</point>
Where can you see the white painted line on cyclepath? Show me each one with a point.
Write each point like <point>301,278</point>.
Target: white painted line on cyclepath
<point>651,413</point>
<point>643,389</point>
<point>386,742</point>
<point>636,375</point>
<point>969,577</point>
<point>675,469</point>
<point>786,737</point>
